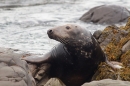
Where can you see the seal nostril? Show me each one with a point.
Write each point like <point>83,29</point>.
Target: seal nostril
<point>50,31</point>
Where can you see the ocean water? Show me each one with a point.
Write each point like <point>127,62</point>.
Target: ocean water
<point>25,27</point>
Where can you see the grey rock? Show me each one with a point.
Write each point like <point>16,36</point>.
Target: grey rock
<point>41,75</point>
<point>106,14</point>
<point>108,82</point>
<point>54,82</point>
<point>33,68</point>
<point>97,34</point>
<point>13,70</point>
<point>126,47</point>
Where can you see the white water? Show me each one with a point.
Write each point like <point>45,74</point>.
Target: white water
<point>25,28</point>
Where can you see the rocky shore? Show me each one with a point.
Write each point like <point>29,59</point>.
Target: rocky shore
<point>114,41</point>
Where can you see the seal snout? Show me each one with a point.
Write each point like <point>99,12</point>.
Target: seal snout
<point>50,33</point>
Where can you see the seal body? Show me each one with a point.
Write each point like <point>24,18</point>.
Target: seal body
<point>74,68</point>
<point>76,58</point>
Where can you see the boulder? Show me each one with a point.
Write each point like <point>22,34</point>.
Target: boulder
<point>112,39</point>
<point>115,43</point>
<point>106,14</point>
<point>13,70</point>
<point>107,82</point>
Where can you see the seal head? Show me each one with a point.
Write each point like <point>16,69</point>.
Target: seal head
<point>70,35</point>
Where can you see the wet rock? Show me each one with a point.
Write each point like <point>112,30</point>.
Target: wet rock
<point>107,82</point>
<point>106,14</point>
<point>13,70</point>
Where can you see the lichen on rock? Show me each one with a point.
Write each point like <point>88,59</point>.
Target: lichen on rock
<point>104,72</point>
<point>115,43</point>
<point>125,59</point>
<point>125,74</point>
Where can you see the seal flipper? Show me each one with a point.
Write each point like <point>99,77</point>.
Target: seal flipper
<point>38,60</point>
<point>113,65</point>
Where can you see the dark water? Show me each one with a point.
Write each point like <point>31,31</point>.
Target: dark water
<point>25,27</point>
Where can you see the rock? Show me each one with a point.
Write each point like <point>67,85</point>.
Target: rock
<point>111,34</point>
<point>13,70</point>
<point>106,14</point>
<point>54,82</point>
<point>97,34</point>
<point>107,82</point>
<point>104,72</point>
<point>126,47</point>
<point>125,59</point>
<point>111,40</point>
<point>33,68</point>
<point>115,43</point>
<point>42,75</point>
<point>38,71</point>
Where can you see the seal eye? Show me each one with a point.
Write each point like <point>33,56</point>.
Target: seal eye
<point>67,27</point>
